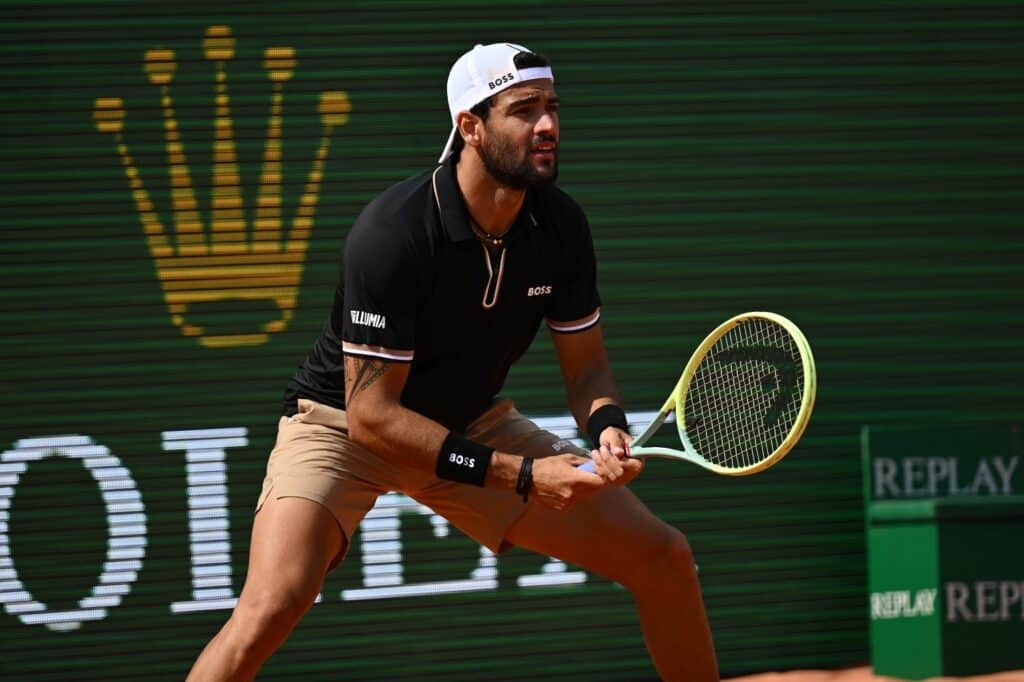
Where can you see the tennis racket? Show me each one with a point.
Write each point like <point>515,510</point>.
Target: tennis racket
<point>743,400</point>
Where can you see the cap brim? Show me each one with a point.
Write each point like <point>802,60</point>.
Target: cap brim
<point>448,147</point>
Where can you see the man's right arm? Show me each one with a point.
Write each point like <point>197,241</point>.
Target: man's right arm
<point>378,421</point>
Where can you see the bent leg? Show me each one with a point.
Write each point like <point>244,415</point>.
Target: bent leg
<point>294,542</point>
<point>615,535</point>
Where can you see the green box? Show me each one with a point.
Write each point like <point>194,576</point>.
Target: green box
<point>945,524</point>
<point>946,579</point>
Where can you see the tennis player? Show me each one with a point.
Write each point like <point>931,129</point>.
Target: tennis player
<point>445,280</point>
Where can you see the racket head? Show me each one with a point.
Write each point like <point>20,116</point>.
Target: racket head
<point>746,395</point>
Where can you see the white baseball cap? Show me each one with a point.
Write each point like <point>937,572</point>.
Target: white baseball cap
<point>484,71</point>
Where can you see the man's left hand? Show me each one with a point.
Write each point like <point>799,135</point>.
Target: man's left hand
<point>612,461</point>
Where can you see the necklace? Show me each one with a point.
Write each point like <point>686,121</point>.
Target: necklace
<point>485,237</point>
<point>491,245</point>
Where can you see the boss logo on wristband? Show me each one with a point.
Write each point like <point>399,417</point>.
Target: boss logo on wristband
<point>463,460</point>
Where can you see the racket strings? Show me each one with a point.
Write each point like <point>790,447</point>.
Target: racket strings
<point>745,395</point>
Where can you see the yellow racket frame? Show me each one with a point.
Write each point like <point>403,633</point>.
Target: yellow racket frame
<point>677,400</point>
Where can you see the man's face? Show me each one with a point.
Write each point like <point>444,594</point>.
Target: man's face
<point>520,143</point>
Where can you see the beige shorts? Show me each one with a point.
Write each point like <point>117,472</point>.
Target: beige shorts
<point>315,459</point>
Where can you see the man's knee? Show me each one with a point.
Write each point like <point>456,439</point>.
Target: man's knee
<point>677,557</point>
<point>266,616</point>
<point>666,559</point>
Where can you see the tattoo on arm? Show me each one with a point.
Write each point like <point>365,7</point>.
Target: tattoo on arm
<point>367,371</point>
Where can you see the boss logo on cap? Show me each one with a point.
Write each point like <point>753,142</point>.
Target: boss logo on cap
<point>507,78</point>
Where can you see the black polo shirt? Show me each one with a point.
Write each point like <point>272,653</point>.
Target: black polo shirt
<point>417,286</point>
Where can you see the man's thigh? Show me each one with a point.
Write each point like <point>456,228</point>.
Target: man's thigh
<point>314,459</point>
<point>610,533</point>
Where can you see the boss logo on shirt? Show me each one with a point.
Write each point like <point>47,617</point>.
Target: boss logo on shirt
<point>542,290</point>
<point>368,319</point>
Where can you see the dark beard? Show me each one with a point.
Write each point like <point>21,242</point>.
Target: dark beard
<point>499,158</point>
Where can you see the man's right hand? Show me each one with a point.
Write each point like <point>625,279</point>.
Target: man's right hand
<point>559,483</point>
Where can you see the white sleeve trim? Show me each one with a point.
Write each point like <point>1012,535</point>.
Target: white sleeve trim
<point>363,350</point>
<point>576,325</point>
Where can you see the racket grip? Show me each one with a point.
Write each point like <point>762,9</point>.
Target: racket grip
<point>588,466</point>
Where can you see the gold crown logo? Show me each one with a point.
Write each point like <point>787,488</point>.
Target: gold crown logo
<point>225,260</point>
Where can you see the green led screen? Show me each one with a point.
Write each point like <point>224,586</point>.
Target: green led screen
<point>178,180</point>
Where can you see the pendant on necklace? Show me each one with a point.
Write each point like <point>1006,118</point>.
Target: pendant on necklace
<point>484,236</point>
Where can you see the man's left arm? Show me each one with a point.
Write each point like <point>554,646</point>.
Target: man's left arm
<point>590,386</point>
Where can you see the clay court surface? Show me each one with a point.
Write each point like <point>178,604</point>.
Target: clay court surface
<point>865,674</point>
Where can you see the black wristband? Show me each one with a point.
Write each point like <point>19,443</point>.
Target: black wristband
<point>525,480</point>
<point>462,460</point>
<point>602,418</point>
